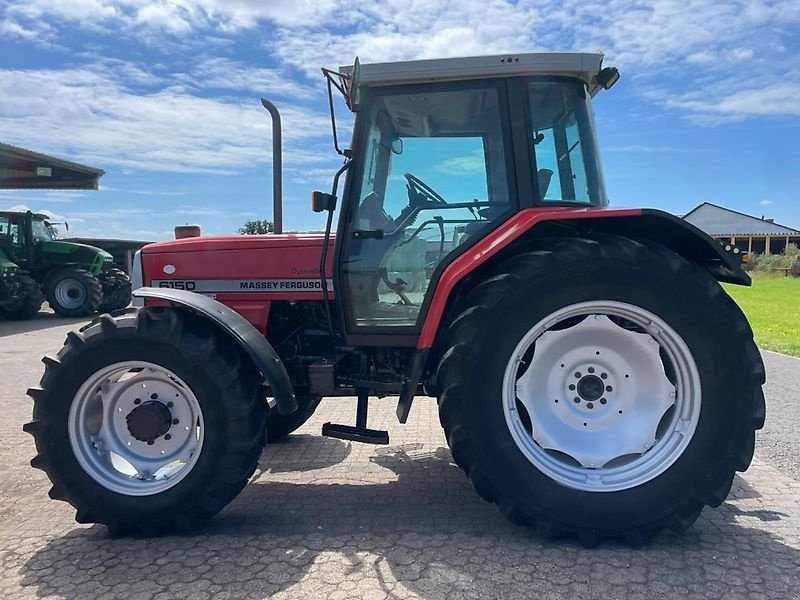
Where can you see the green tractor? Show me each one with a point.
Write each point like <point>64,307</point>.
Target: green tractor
<point>76,279</point>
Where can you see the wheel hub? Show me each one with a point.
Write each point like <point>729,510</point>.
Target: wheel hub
<point>70,293</point>
<point>149,421</point>
<point>590,388</point>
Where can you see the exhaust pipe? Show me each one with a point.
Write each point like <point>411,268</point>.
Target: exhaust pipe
<point>277,167</point>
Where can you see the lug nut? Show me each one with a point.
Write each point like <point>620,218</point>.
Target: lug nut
<point>576,400</point>
<point>175,421</point>
<point>591,369</point>
<point>577,374</point>
<point>168,437</point>
<point>609,388</point>
<point>603,400</point>
<point>170,404</point>
<point>603,375</point>
<point>137,401</point>
<point>153,396</point>
<point>571,386</point>
<point>590,405</point>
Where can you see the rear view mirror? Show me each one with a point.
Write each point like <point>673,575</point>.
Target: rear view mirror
<point>320,201</point>
<point>608,77</point>
<point>397,146</point>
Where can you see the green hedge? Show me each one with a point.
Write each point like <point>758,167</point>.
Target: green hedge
<point>765,263</point>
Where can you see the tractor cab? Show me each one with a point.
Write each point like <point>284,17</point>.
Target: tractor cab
<point>445,150</point>
<point>20,232</point>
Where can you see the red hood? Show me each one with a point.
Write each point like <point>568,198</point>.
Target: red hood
<point>237,242</point>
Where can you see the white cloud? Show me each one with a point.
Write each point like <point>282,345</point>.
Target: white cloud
<point>225,74</point>
<point>96,118</point>
<point>780,98</point>
<point>463,165</point>
<point>765,203</point>
<point>691,44</point>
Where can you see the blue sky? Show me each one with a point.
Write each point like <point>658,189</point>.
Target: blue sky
<point>164,95</point>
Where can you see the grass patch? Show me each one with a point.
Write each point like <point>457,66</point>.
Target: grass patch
<point>772,306</point>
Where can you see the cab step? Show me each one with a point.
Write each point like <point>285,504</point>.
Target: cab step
<point>359,433</point>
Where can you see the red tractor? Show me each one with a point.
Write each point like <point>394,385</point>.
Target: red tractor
<point>593,377</point>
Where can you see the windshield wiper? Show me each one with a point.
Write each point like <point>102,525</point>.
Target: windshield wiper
<point>567,153</point>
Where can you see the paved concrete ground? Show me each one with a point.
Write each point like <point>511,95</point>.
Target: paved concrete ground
<point>328,519</point>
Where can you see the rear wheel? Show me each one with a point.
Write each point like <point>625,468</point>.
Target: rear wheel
<point>28,303</point>
<point>147,421</point>
<point>620,394</point>
<point>117,291</point>
<point>74,293</point>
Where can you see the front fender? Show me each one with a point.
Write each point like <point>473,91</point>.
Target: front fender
<point>237,327</point>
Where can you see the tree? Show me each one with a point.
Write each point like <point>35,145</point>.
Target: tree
<point>257,227</point>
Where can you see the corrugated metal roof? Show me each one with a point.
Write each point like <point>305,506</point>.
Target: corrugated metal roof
<point>21,168</point>
<point>718,220</point>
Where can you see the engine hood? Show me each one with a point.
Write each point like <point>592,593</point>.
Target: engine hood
<point>237,242</point>
<point>71,251</point>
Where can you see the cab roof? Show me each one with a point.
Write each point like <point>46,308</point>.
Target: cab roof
<point>583,66</point>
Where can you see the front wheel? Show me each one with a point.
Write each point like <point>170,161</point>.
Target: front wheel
<point>27,303</point>
<point>147,421</point>
<point>279,426</point>
<point>615,390</point>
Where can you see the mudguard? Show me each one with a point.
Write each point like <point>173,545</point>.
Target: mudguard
<point>248,337</point>
<point>670,231</point>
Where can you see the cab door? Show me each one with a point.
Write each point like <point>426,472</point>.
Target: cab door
<point>432,176</point>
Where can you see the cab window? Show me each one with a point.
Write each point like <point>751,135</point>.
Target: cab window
<point>434,176</point>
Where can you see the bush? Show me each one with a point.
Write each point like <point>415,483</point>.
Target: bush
<point>765,263</point>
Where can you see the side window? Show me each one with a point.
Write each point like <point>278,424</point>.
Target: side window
<point>4,226</point>
<point>558,144</point>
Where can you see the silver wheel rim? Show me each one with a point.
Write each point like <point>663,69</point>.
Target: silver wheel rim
<point>103,428</point>
<point>588,401</point>
<point>70,293</point>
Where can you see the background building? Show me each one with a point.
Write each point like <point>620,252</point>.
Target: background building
<point>23,169</point>
<point>748,233</point>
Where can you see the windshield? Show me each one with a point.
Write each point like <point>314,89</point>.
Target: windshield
<point>42,231</point>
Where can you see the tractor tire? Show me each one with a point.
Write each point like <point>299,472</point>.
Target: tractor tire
<point>279,426</point>
<point>570,389</point>
<point>148,421</point>
<point>29,303</point>
<point>74,293</point>
<point>119,295</point>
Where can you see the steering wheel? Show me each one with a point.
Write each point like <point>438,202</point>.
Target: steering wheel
<point>419,190</point>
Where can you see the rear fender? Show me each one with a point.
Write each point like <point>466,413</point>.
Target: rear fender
<point>237,327</point>
<point>643,224</point>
